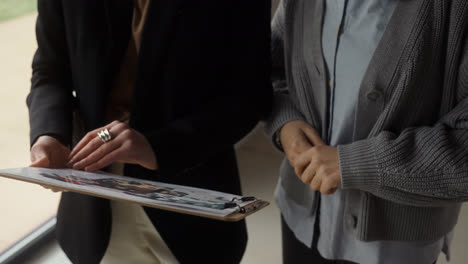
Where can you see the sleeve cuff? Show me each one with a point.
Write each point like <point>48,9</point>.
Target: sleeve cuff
<point>283,112</point>
<point>359,166</point>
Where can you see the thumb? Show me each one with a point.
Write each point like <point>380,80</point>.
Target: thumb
<point>40,163</point>
<point>313,136</point>
<point>39,159</point>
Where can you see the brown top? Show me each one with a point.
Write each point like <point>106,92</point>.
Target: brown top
<point>121,93</point>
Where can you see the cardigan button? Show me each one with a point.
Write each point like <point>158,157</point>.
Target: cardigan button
<point>374,95</point>
<point>351,221</point>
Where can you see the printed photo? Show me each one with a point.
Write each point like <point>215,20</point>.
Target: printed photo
<point>132,189</point>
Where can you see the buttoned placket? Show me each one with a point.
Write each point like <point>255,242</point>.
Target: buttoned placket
<point>340,7</point>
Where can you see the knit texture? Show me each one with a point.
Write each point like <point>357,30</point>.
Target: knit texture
<point>407,168</point>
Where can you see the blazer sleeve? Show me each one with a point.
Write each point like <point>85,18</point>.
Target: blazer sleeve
<point>237,107</point>
<point>50,98</point>
<point>422,166</point>
<point>284,109</point>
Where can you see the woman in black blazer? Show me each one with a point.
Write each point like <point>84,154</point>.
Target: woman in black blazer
<point>201,83</point>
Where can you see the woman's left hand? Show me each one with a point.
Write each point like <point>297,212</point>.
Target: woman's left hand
<point>126,146</point>
<point>319,166</point>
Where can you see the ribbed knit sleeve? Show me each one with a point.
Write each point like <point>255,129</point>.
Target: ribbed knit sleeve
<point>284,109</point>
<point>423,166</point>
<point>283,112</point>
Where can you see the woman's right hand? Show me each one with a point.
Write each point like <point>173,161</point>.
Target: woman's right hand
<point>48,152</point>
<point>294,139</point>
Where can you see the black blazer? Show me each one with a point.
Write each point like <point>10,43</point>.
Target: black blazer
<point>202,84</point>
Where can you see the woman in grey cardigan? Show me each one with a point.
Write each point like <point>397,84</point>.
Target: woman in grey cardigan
<point>371,110</point>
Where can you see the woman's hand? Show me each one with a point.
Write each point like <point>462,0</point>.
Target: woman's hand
<point>294,137</point>
<point>319,167</point>
<point>126,146</point>
<point>48,152</point>
<point>315,163</point>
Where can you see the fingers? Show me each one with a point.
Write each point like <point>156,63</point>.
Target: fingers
<point>319,167</point>
<point>90,136</point>
<point>39,157</point>
<point>89,156</point>
<point>106,160</point>
<point>86,150</point>
<point>36,155</point>
<point>309,173</point>
<point>327,190</point>
<point>316,183</point>
<point>299,142</point>
<point>97,154</point>
<point>40,163</point>
<point>127,146</point>
<point>326,180</point>
<point>294,141</point>
<point>301,163</point>
<point>54,189</point>
<point>49,155</point>
<point>329,186</point>
<point>91,142</point>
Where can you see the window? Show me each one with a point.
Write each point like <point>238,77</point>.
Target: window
<point>24,207</point>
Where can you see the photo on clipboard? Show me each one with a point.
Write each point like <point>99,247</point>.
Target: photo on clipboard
<point>177,198</point>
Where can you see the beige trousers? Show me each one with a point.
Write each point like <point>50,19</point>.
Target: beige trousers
<point>134,239</point>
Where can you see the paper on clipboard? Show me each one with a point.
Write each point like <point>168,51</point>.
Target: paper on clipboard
<point>172,197</point>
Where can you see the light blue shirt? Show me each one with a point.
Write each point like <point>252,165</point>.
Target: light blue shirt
<point>352,30</point>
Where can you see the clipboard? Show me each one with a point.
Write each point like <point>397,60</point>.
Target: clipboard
<point>130,189</point>
<point>249,209</point>
<point>233,217</point>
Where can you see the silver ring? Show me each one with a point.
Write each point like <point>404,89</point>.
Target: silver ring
<point>104,135</point>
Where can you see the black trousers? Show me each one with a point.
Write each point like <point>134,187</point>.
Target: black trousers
<point>295,252</point>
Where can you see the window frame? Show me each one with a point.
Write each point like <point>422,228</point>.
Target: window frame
<point>28,245</point>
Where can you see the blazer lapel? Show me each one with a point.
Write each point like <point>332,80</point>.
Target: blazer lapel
<point>157,35</point>
<point>159,25</point>
<point>104,56</point>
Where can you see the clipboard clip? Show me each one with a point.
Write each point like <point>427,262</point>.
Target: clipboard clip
<point>235,200</point>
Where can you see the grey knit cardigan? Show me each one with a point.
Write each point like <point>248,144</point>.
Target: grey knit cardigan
<point>407,169</point>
